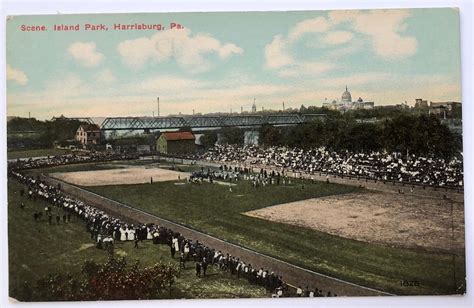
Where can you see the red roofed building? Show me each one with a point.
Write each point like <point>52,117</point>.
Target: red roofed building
<point>176,143</point>
<point>88,134</point>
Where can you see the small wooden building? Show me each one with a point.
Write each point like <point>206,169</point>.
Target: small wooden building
<point>176,143</point>
<point>88,134</point>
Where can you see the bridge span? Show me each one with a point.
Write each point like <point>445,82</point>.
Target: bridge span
<point>206,121</point>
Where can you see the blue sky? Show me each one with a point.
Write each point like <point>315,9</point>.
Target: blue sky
<point>221,61</point>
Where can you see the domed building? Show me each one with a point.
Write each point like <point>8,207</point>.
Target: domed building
<point>346,97</point>
<point>346,103</point>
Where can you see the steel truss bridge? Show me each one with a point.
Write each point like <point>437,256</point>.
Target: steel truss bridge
<point>201,122</point>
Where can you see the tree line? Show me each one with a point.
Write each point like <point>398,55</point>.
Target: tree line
<point>29,133</point>
<point>406,133</point>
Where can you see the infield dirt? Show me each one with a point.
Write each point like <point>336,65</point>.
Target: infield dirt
<point>130,175</point>
<point>378,217</point>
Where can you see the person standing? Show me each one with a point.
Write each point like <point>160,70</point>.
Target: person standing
<point>299,291</point>
<point>182,260</point>
<point>204,266</point>
<point>198,269</point>
<point>172,251</point>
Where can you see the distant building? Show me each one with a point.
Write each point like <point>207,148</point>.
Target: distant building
<point>346,103</point>
<point>88,134</point>
<point>443,108</point>
<point>402,106</point>
<point>420,103</point>
<point>176,143</point>
<point>254,107</point>
<point>360,104</point>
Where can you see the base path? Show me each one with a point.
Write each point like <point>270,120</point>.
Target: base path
<point>292,274</point>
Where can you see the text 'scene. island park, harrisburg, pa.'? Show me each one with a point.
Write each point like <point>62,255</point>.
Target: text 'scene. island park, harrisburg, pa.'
<point>235,155</point>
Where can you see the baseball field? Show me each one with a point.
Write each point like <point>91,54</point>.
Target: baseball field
<point>339,230</point>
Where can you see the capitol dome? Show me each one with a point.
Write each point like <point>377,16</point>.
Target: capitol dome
<point>346,97</point>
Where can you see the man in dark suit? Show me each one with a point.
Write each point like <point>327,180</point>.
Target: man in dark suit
<point>204,266</point>
<point>198,269</point>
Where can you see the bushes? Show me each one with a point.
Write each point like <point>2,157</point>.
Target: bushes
<point>113,280</point>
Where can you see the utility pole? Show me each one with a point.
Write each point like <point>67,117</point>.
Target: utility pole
<point>158,104</point>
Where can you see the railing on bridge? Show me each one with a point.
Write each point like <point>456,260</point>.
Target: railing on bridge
<point>149,123</point>
<point>243,120</point>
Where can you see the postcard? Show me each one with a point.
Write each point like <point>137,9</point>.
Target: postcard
<point>235,155</point>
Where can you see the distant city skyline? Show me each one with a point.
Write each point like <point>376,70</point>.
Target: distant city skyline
<point>222,61</point>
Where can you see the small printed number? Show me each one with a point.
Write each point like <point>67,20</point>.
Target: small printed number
<point>409,283</point>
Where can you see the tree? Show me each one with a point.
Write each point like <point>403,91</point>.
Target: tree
<point>232,135</point>
<point>209,139</point>
<point>420,135</point>
<point>186,129</point>
<point>362,137</point>
<point>306,135</point>
<point>270,135</point>
<point>457,111</point>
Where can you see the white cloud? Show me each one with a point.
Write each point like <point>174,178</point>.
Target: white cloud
<point>188,51</point>
<point>85,54</point>
<point>338,37</point>
<point>228,50</point>
<point>385,27</point>
<point>136,52</point>
<point>315,25</point>
<point>16,75</point>
<point>275,54</point>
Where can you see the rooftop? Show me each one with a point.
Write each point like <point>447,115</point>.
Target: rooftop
<point>173,136</point>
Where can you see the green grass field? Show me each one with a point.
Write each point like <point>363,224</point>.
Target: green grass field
<point>37,249</point>
<point>216,211</point>
<point>36,153</point>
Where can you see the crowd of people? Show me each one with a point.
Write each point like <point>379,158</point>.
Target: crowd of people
<point>57,160</point>
<point>106,230</point>
<point>398,167</point>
